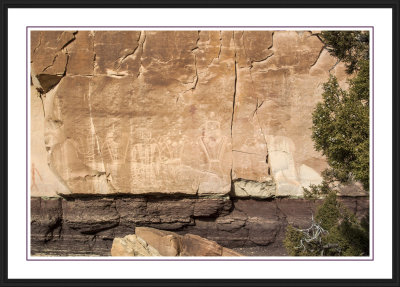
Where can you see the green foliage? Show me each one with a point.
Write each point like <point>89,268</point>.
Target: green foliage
<point>315,191</point>
<point>292,241</point>
<point>334,233</point>
<point>329,212</point>
<point>341,131</point>
<point>341,127</point>
<point>350,47</point>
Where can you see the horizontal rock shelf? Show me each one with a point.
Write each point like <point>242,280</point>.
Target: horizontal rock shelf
<point>88,226</point>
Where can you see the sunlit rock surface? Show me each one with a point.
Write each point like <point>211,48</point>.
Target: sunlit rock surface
<point>196,113</point>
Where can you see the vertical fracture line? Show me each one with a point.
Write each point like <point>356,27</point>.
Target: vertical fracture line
<point>92,128</point>
<point>234,88</point>
<point>233,108</point>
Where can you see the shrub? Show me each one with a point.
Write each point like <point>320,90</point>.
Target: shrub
<point>334,232</point>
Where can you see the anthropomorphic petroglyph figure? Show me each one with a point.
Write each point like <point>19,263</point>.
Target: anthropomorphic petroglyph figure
<point>145,160</point>
<point>171,157</point>
<point>213,144</point>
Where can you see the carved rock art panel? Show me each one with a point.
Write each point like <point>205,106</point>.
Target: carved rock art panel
<point>150,112</point>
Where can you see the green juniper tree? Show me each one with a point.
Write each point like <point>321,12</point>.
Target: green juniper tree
<point>333,232</point>
<point>349,47</point>
<point>341,127</point>
<point>340,131</point>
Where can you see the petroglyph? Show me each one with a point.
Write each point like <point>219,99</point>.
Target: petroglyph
<point>171,157</point>
<point>213,144</point>
<point>126,133</point>
<point>145,160</point>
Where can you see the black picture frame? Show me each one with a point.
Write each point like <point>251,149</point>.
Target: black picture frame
<point>4,159</point>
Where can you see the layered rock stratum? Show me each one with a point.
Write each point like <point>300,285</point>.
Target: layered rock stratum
<point>88,226</point>
<point>170,129</point>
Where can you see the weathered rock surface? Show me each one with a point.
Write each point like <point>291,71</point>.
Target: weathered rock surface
<point>154,242</point>
<point>132,245</point>
<point>167,243</point>
<point>176,112</point>
<point>88,226</point>
<point>43,181</point>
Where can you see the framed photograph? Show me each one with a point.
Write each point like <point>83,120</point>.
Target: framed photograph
<point>249,144</point>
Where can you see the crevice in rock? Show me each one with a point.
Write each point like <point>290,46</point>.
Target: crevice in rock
<point>255,113</point>
<point>334,66</point>
<point>52,64</point>
<point>257,107</point>
<point>129,54</point>
<point>323,47</point>
<point>142,51</point>
<point>316,35</point>
<point>49,81</point>
<point>319,55</point>
<point>233,109</point>
<point>195,62</point>
<point>272,40</point>
<point>220,44</point>
<point>94,51</point>
<point>40,42</point>
<point>196,76</point>
<point>219,51</point>
<point>70,41</point>
<point>234,87</point>
<point>156,195</point>
<point>42,101</point>
<point>261,60</point>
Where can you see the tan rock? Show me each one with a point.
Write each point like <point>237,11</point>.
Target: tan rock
<point>132,245</point>
<point>229,252</point>
<point>153,242</point>
<point>167,243</point>
<point>194,245</point>
<point>49,57</point>
<point>274,102</point>
<point>179,112</point>
<point>43,181</point>
<point>249,188</point>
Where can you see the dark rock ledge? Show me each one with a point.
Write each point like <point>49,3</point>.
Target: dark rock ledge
<point>87,226</point>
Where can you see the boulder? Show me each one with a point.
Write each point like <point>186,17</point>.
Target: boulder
<point>167,243</point>
<point>153,242</point>
<point>132,245</point>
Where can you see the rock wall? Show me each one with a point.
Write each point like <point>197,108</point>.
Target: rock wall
<point>201,132</point>
<point>87,226</point>
<point>175,112</point>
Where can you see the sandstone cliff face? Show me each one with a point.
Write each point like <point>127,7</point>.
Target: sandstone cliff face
<point>176,112</point>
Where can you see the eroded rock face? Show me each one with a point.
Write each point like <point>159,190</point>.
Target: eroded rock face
<point>178,112</point>
<point>88,226</point>
<point>154,242</point>
<point>132,245</point>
